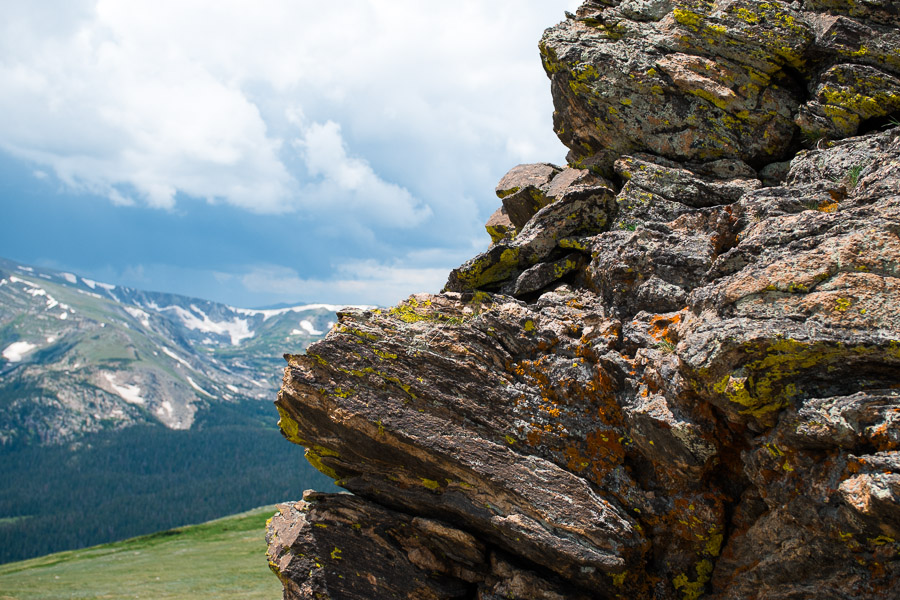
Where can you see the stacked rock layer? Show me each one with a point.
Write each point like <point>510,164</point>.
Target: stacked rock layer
<point>675,373</point>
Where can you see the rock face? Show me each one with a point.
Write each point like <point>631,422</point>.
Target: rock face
<point>696,80</point>
<point>675,374</point>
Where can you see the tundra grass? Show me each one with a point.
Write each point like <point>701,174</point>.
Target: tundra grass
<point>225,558</point>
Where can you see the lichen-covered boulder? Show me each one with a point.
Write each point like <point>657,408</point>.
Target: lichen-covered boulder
<point>694,80</point>
<point>675,373</point>
<point>710,403</point>
<point>566,203</point>
<point>524,191</point>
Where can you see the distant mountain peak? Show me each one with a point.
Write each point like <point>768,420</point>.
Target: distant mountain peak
<point>80,355</point>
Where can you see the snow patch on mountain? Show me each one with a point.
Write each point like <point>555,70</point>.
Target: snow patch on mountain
<point>139,314</point>
<point>306,327</point>
<point>17,350</point>
<point>198,388</point>
<point>36,291</point>
<point>91,294</point>
<point>197,320</point>
<point>274,312</point>
<point>128,393</point>
<point>171,354</point>
<point>95,284</point>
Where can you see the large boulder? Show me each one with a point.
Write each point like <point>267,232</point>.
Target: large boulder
<point>694,80</point>
<point>675,374</point>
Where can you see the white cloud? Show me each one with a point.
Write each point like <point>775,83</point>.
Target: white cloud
<point>403,106</point>
<point>356,282</point>
<point>349,183</point>
<point>116,116</point>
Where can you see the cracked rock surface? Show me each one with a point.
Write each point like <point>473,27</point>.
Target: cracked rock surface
<point>675,374</point>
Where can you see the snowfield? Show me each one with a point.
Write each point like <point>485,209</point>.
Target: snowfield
<point>17,350</point>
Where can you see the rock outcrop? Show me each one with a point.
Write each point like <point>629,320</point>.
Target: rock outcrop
<point>676,371</point>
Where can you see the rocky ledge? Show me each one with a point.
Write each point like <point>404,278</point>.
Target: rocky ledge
<point>676,371</point>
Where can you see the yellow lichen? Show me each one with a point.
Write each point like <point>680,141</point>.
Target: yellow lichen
<point>340,392</point>
<point>763,386</point>
<point>484,270</point>
<point>290,427</point>
<point>314,457</point>
<point>692,590</point>
<point>357,332</point>
<point>842,304</point>
<point>687,18</point>
<point>572,243</point>
<point>431,484</point>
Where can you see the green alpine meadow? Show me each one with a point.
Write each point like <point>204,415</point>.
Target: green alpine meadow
<point>224,558</point>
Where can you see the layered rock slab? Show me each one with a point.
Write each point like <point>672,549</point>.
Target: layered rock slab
<point>672,375</point>
<point>610,446</point>
<point>442,442</point>
<point>362,550</point>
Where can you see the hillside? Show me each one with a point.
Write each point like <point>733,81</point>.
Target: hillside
<point>113,400</point>
<point>80,356</point>
<point>219,559</point>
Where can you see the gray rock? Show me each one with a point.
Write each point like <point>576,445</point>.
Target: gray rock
<point>580,205</point>
<point>543,274</point>
<point>523,191</point>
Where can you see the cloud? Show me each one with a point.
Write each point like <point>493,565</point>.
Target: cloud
<point>347,183</point>
<point>368,134</point>
<point>148,101</point>
<point>355,282</point>
<point>110,117</point>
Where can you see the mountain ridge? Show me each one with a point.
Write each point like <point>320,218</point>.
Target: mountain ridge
<point>135,399</point>
<point>130,355</point>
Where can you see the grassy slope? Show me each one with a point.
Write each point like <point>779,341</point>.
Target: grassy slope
<point>146,478</point>
<point>220,559</point>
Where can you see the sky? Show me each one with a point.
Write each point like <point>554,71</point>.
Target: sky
<point>266,152</point>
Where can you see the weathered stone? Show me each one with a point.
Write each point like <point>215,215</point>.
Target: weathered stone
<point>342,546</point>
<point>656,265</point>
<point>695,394</point>
<point>388,553</point>
<point>716,80</point>
<point>536,176</point>
<point>883,12</point>
<point>581,209</point>
<point>622,86</point>
<point>541,275</point>
<point>499,227</point>
<point>523,190</point>
<point>846,96</point>
<point>774,174</point>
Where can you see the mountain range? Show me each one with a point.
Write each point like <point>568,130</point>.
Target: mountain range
<point>124,412</point>
<point>79,356</point>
